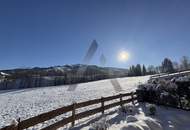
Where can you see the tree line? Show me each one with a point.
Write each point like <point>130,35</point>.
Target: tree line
<point>166,66</point>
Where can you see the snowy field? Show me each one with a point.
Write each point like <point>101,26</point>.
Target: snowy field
<point>26,103</point>
<point>165,119</point>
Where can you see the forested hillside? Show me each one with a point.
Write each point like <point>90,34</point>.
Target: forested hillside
<point>58,75</point>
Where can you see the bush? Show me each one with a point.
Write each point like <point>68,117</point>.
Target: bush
<point>128,109</point>
<point>100,125</point>
<point>152,109</point>
<point>123,109</point>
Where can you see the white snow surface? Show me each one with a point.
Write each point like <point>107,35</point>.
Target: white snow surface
<point>165,119</point>
<point>26,103</point>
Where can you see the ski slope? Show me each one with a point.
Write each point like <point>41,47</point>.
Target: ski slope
<point>26,103</point>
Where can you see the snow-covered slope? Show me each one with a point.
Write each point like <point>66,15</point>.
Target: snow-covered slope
<point>30,102</point>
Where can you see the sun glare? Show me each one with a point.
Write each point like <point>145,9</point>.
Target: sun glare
<point>123,56</point>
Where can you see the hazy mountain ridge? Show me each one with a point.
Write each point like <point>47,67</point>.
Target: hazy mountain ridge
<point>57,75</point>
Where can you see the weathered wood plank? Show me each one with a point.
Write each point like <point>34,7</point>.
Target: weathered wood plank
<point>59,124</point>
<point>69,119</point>
<point>11,127</point>
<point>88,113</point>
<point>44,117</point>
<point>88,103</point>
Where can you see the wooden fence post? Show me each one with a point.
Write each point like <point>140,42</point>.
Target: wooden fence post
<point>121,100</point>
<point>18,126</point>
<point>132,97</point>
<point>102,104</point>
<point>73,114</point>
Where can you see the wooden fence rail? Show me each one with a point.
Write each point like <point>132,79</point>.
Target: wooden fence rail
<point>130,97</point>
<point>165,75</point>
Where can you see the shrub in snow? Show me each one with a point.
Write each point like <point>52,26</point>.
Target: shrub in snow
<point>14,122</point>
<point>128,109</point>
<point>159,87</point>
<point>162,82</point>
<point>141,87</point>
<point>183,79</point>
<point>166,92</point>
<point>131,119</point>
<point>172,87</point>
<point>131,109</point>
<point>100,125</point>
<point>185,103</point>
<point>122,109</point>
<point>173,80</point>
<point>163,95</point>
<point>150,87</point>
<point>146,87</point>
<point>152,110</point>
<point>147,93</point>
<point>168,99</point>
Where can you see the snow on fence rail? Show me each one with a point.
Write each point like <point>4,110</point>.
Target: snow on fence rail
<point>75,116</point>
<point>165,75</point>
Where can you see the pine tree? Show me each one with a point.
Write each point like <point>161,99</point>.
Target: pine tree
<point>185,63</point>
<point>138,70</point>
<point>144,70</point>
<point>167,66</point>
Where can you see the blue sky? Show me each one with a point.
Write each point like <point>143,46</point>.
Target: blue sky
<point>47,33</point>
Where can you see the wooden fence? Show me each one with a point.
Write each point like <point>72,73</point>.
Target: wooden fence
<point>168,75</point>
<point>24,124</point>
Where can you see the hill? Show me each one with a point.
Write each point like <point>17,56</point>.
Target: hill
<point>57,75</point>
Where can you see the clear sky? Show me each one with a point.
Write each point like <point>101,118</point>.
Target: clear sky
<point>48,33</point>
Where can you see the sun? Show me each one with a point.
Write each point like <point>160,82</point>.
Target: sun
<point>123,56</point>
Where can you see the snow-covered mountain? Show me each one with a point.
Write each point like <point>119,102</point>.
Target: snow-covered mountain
<point>58,75</point>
